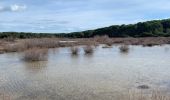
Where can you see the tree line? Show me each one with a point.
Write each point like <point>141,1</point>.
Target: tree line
<point>155,28</point>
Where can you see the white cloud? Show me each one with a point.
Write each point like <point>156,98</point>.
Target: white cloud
<point>75,15</point>
<point>18,7</point>
<point>12,8</point>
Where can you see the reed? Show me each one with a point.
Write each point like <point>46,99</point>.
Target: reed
<point>124,48</point>
<point>36,54</point>
<point>74,50</point>
<point>88,49</point>
<point>14,47</point>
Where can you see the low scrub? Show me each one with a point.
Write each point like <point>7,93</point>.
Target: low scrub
<point>74,50</point>
<point>14,47</point>
<point>88,49</point>
<point>124,48</point>
<point>9,39</point>
<point>36,54</point>
<point>41,43</point>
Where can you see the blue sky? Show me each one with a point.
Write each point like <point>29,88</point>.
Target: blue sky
<point>76,15</point>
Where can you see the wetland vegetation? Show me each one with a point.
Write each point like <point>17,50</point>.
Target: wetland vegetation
<point>103,64</point>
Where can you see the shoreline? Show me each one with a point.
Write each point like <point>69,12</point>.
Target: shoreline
<point>17,45</point>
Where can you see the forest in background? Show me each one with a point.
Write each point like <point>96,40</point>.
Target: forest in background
<point>155,28</point>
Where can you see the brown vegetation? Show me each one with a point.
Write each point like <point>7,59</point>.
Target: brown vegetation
<point>36,54</point>
<point>14,47</point>
<point>24,44</point>
<point>88,49</point>
<point>41,43</point>
<point>74,50</point>
<point>124,48</point>
<point>104,40</point>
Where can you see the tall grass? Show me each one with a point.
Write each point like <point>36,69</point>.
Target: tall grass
<point>74,50</point>
<point>36,54</point>
<point>88,49</point>
<point>9,39</point>
<point>41,43</point>
<point>124,48</point>
<point>14,47</point>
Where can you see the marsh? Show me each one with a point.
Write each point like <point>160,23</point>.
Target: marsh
<point>104,75</point>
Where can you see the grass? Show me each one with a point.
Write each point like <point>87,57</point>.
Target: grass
<point>74,50</point>
<point>9,39</point>
<point>6,45</point>
<point>22,45</point>
<point>14,47</point>
<point>88,49</point>
<point>36,54</point>
<point>124,48</point>
<point>41,43</point>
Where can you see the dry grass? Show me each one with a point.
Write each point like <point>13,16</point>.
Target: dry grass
<point>74,50</point>
<point>88,49</point>
<point>9,39</point>
<point>14,47</point>
<point>101,39</point>
<point>22,45</point>
<point>41,43</point>
<point>124,48</point>
<point>36,54</point>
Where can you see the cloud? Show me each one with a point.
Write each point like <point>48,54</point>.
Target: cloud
<point>12,8</point>
<point>77,15</point>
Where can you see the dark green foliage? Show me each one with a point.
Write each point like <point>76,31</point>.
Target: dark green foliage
<point>142,29</point>
<point>23,35</point>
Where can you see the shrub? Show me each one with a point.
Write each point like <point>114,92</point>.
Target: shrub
<point>10,39</point>
<point>88,49</point>
<point>36,54</point>
<point>41,43</point>
<point>74,50</point>
<point>109,44</point>
<point>124,48</point>
<point>14,47</point>
<point>102,39</point>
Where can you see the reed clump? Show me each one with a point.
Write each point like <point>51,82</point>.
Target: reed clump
<point>74,50</point>
<point>36,54</point>
<point>14,47</point>
<point>41,43</point>
<point>124,48</point>
<point>88,49</point>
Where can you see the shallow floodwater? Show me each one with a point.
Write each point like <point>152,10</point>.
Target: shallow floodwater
<point>104,75</point>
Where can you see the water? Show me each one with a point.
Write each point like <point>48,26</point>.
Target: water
<point>104,75</point>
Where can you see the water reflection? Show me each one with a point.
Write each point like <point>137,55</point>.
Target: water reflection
<point>167,49</point>
<point>74,56</point>
<point>35,66</point>
<point>103,75</point>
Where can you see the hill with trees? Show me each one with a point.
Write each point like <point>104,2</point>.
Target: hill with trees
<point>155,28</point>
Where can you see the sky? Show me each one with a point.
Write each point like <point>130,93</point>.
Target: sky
<point>62,16</point>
